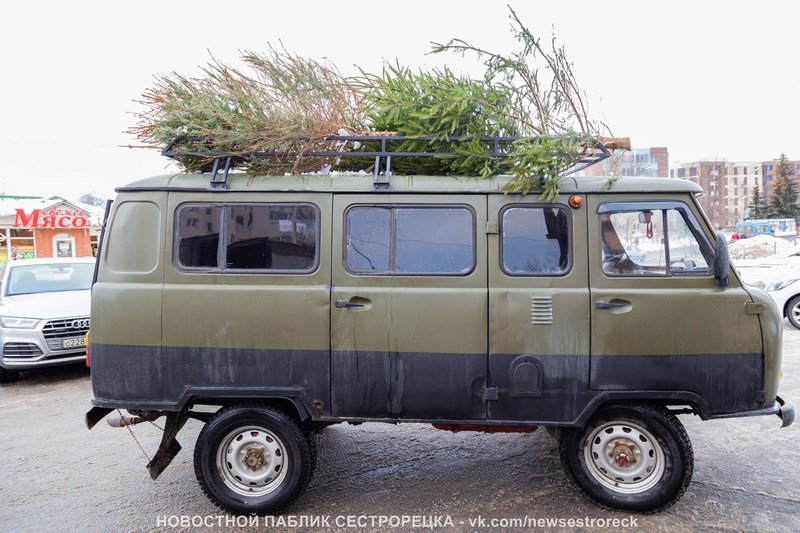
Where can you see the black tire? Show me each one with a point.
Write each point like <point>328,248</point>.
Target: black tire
<point>633,457</point>
<point>252,459</point>
<point>7,376</point>
<point>793,311</point>
<point>311,438</point>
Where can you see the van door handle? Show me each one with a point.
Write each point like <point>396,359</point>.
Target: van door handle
<point>344,304</point>
<point>609,305</point>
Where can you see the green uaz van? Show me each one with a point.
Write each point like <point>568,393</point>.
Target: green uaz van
<point>292,303</point>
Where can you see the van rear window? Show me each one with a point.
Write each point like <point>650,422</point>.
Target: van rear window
<point>248,237</point>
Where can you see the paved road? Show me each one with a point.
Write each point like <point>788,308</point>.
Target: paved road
<point>57,476</point>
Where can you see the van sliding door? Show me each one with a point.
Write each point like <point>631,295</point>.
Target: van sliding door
<point>409,307</point>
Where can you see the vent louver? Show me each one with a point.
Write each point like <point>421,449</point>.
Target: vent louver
<point>541,311</point>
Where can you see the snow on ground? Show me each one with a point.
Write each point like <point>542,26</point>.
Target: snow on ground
<point>763,246</point>
<point>764,258</point>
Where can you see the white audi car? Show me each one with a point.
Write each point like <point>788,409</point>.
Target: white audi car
<point>786,293</point>
<point>44,313</point>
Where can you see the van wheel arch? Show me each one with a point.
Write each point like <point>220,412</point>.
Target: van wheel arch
<point>676,402</point>
<point>292,407</point>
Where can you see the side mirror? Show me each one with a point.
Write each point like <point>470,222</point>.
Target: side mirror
<point>722,262</point>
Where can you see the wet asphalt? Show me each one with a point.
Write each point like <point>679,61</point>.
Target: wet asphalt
<point>55,475</point>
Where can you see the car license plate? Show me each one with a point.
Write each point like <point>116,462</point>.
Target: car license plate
<point>73,343</point>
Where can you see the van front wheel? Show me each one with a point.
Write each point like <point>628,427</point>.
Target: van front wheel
<point>252,460</point>
<point>632,457</point>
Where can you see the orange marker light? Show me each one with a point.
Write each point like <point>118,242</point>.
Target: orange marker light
<point>575,201</point>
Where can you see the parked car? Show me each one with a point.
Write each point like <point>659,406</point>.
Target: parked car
<point>44,313</point>
<point>762,272</point>
<point>779,275</point>
<point>786,293</point>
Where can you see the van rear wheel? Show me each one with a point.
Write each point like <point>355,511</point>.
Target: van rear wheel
<point>632,457</point>
<point>252,460</point>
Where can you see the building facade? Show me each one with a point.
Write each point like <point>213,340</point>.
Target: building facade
<point>741,179</point>
<point>652,162</point>
<point>768,176</point>
<point>46,227</point>
<point>728,186</point>
<point>712,177</point>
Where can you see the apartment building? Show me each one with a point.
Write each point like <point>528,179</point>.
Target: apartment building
<point>729,186</point>
<point>742,177</point>
<point>653,162</point>
<point>768,175</point>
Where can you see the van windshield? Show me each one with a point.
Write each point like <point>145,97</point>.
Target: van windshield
<point>54,277</point>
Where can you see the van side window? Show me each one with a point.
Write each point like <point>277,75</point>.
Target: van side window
<point>410,240</point>
<point>257,237</point>
<point>535,240</point>
<point>271,237</point>
<point>652,242</point>
<point>198,236</point>
<point>368,239</point>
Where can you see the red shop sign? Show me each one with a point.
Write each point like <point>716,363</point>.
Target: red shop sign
<point>51,218</point>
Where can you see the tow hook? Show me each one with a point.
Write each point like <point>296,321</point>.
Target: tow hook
<point>122,421</point>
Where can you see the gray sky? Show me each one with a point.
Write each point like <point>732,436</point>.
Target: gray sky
<point>707,79</point>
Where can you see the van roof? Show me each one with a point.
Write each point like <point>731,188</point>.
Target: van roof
<point>363,183</point>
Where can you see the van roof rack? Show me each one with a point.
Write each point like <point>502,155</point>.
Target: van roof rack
<point>498,147</point>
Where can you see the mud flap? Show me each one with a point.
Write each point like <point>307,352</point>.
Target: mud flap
<point>95,415</point>
<point>169,446</point>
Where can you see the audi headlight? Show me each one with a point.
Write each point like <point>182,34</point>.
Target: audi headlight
<point>782,284</point>
<point>20,323</point>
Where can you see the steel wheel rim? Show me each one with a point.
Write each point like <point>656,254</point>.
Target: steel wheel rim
<point>605,452</point>
<point>252,461</point>
<point>795,312</point>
